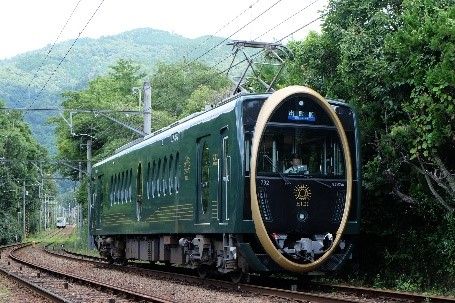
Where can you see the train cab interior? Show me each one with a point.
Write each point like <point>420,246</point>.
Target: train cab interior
<point>319,152</point>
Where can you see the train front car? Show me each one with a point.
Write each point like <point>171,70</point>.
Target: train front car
<point>301,179</point>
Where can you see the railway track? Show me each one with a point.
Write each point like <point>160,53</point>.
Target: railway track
<point>309,293</point>
<point>60,286</point>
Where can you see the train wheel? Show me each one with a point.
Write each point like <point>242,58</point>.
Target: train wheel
<point>122,261</point>
<point>237,276</point>
<point>203,271</point>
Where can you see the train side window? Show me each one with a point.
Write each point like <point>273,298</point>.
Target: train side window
<point>130,192</point>
<point>176,173</point>
<point>119,188</point>
<point>116,193</point>
<point>111,187</point>
<point>147,181</point>
<point>152,178</point>
<point>170,174</point>
<point>157,180</point>
<point>163,176</point>
<point>127,186</point>
<point>123,187</point>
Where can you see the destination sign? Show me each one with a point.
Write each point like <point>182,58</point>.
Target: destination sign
<point>299,115</point>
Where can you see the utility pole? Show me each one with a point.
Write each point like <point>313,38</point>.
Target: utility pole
<point>89,190</point>
<point>45,211</point>
<point>40,205</point>
<point>40,189</point>
<point>23,210</point>
<point>79,212</point>
<point>147,108</point>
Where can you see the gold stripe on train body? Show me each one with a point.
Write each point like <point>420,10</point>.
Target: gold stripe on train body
<point>267,110</point>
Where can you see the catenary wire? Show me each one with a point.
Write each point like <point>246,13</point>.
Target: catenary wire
<point>238,30</point>
<point>53,44</point>
<point>66,54</point>
<point>287,19</point>
<point>222,27</point>
<point>140,111</point>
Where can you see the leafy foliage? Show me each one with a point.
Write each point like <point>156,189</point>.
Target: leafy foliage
<point>174,84</point>
<point>17,150</point>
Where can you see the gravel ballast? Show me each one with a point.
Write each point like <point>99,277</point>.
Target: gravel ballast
<point>160,287</point>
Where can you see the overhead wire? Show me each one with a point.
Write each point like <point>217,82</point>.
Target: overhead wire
<point>75,110</point>
<point>220,29</point>
<point>262,50</point>
<point>286,20</point>
<point>41,160</point>
<point>214,66</point>
<point>269,30</point>
<point>53,44</point>
<point>66,54</point>
<point>279,40</point>
<point>302,27</point>
<point>223,27</point>
<point>238,30</point>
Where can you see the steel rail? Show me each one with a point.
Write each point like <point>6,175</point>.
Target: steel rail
<point>28,284</point>
<point>93,283</point>
<point>33,287</point>
<point>410,296</point>
<point>279,292</point>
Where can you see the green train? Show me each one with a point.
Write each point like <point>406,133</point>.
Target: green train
<point>258,183</point>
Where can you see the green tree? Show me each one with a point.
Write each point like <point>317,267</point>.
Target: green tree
<point>20,160</point>
<point>173,84</point>
<point>394,62</point>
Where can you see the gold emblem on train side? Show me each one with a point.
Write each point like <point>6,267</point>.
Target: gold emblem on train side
<point>186,168</point>
<point>302,194</point>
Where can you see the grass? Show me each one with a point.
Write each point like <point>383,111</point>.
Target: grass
<point>76,241</point>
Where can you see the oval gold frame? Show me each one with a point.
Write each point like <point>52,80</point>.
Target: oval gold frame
<point>273,102</point>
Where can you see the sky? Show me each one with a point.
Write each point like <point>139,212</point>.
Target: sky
<point>27,25</point>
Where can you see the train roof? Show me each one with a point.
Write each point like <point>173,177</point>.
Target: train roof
<point>182,124</point>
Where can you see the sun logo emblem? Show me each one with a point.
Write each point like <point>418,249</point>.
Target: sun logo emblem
<point>302,194</point>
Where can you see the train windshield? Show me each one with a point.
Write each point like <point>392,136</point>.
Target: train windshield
<point>301,151</point>
<point>300,140</point>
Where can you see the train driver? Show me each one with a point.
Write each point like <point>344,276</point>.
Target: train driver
<point>296,165</point>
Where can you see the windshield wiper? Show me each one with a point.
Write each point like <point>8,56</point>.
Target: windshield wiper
<point>286,180</point>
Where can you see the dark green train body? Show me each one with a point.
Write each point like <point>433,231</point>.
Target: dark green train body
<point>182,194</point>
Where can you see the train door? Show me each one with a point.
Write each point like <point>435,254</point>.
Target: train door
<point>99,198</point>
<point>224,177</point>
<point>95,202</point>
<point>139,197</point>
<point>203,208</point>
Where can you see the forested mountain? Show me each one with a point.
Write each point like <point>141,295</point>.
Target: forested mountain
<point>26,81</point>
